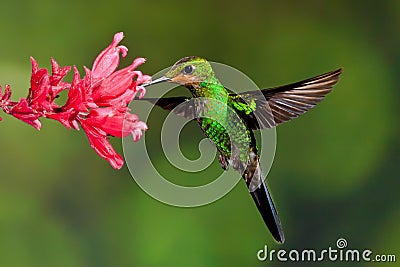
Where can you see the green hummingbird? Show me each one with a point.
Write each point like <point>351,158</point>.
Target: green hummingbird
<point>228,119</point>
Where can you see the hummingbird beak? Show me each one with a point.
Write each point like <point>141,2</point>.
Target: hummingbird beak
<point>159,80</point>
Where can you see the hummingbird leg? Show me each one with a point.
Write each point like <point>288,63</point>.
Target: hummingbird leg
<point>252,173</point>
<point>223,161</point>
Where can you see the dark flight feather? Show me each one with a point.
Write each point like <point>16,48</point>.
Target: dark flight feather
<point>280,104</point>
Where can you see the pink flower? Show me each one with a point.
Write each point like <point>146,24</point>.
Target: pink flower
<point>107,61</point>
<point>98,102</point>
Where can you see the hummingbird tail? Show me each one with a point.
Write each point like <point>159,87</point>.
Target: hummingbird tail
<point>259,191</point>
<point>266,207</point>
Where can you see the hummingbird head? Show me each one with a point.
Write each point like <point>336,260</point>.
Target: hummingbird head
<point>188,71</point>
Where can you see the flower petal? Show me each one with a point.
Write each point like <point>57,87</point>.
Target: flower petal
<point>107,61</point>
<point>136,129</point>
<point>26,114</point>
<point>108,119</point>
<point>57,76</point>
<point>99,142</point>
<point>76,95</point>
<point>40,88</point>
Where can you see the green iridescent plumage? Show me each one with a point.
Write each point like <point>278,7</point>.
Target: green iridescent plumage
<point>219,120</point>
<point>228,119</point>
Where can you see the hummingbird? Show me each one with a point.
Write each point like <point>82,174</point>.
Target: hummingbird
<point>229,120</point>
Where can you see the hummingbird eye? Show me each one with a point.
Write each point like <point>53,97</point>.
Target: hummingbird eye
<point>188,69</point>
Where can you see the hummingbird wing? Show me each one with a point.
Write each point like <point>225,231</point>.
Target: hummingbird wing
<point>280,104</point>
<point>180,105</point>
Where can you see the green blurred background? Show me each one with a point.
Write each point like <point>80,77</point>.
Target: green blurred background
<point>336,168</point>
